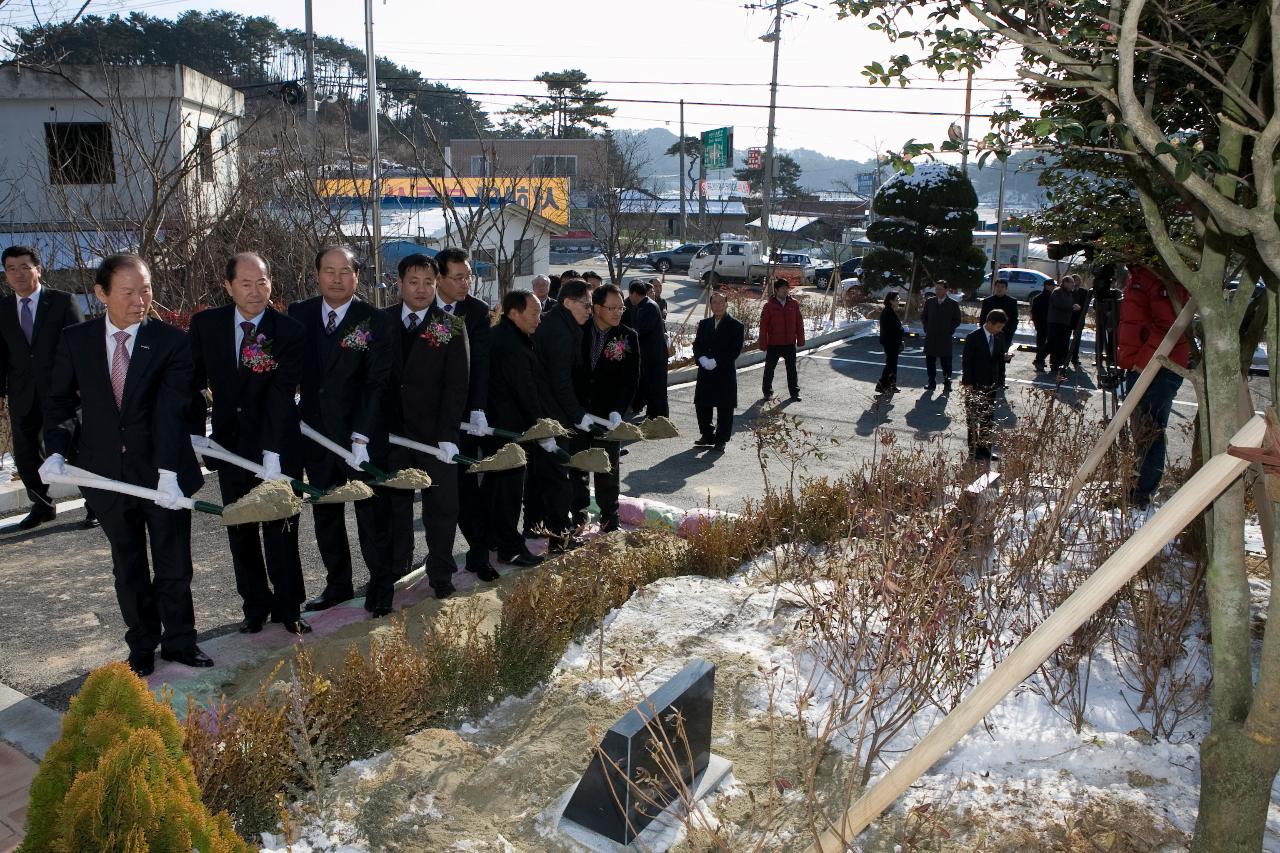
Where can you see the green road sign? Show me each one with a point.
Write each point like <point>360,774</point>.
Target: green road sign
<point>717,148</point>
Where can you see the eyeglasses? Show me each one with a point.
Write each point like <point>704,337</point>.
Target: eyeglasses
<point>615,309</point>
<point>459,278</point>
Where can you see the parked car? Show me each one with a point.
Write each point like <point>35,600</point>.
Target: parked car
<point>849,269</point>
<point>799,259</point>
<point>674,259</point>
<point>1023,283</point>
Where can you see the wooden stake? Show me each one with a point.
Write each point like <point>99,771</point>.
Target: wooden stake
<point>1187,503</point>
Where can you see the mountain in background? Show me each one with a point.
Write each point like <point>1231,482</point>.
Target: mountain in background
<point>821,172</point>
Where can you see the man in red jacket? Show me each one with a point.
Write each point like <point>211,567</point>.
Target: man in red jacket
<point>1146,313</point>
<point>781,331</point>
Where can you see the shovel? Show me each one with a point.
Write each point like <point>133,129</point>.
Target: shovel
<point>622,432</point>
<point>544,428</point>
<point>342,452</point>
<point>430,450</point>
<point>216,451</point>
<point>496,462</point>
<point>79,477</point>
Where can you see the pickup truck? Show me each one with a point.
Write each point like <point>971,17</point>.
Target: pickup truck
<point>739,260</point>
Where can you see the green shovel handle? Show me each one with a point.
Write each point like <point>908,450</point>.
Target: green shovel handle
<point>205,506</point>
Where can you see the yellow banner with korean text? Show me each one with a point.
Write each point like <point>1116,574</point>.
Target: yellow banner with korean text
<point>548,197</point>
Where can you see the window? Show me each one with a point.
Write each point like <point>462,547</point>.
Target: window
<point>80,153</point>
<point>733,249</point>
<point>555,166</point>
<point>487,262</point>
<point>481,166</point>
<point>524,256</point>
<point>204,153</point>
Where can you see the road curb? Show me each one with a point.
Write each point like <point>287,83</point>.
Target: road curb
<point>853,330</point>
<point>26,724</point>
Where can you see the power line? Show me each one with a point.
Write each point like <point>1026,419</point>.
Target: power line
<point>959,87</point>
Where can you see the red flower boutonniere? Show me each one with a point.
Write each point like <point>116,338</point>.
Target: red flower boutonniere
<point>437,334</point>
<point>358,338</point>
<point>256,355</point>
<point>617,349</point>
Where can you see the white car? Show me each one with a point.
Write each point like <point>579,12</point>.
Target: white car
<point>1023,283</point>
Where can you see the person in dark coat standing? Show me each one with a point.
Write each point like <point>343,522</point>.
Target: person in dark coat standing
<point>558,345</point>
<point>716,347</point>
<point>426,399</point>
<point>515,406</point>
<point>31,325</point>
<point>606,382</point>
<point>891,337</point>
<point>1040,319</point>
<point>1063,309</point>
<point>644,317</point>
<point>130,379</point>
<point>940,318</point>
<point>781,333</point>
<point>249,357</point>
<point>1001,300</point>
<point>347,362</point>
<point>453,297</point>
<point>1083,297</point>
<point>984,350</point>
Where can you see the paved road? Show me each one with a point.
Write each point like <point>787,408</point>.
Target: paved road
<point>58,607</point>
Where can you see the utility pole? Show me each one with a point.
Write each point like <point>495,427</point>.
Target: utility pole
<point>968,101</point>
<point>684,216</point>
<point>702,191</point>
<point>767,185</point>
<point>311,71</point>
<point>1006,103</point>
<point>375,164</point>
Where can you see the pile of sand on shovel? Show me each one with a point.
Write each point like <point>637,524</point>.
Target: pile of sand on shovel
<point>509,457</point>
<point>352,490</point>
<point>408,478</point>
<point>659,427</point>
<point>543,428</point>
<point>595,461</point>
<point>624,431</point>
<point>270,500</point>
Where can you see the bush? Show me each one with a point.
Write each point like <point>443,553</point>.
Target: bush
<point>118,779</point>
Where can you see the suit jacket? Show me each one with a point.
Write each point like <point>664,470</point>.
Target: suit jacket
<point>718,387</point>
<point>558,346</point>
<point>26,370</point>
<point>148,431</point>
<point>252,411</point>
<point>1040,309</point>
<point>611,385</point>
<point>940,321</point>
<point>344,386</point>
<point>427,394</point>
<point>980,361</point>
<point>646,319</point>
<point>513,385</point>
<point>475,313</point>
<point>549,303</point>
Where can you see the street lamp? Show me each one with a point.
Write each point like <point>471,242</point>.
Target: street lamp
<point>1005,104</point>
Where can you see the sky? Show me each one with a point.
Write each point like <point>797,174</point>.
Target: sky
<point>704,51</point>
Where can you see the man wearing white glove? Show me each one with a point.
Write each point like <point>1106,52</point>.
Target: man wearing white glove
<point>53,464</point>
<point>707,363</point>
<point>130,379</point>
<point>717,344</point>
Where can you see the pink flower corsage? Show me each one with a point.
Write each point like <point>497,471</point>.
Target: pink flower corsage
<point>256,355</point>
<point>616,349</point>
<point>437,334</point>
<point>358,338</point>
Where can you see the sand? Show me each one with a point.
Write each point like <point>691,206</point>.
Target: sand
<point>352,490</point>
<point>408,478</point>
<point>659,427</point>
<point>595,460</point>
<point>510,456</point>
<point>270,500</point>
<point>624,432</point>
<point>543,428</point>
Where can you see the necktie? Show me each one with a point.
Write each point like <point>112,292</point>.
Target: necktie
<point>991,343</point>
<point>247,327</point>
<point>119,366</point>
<point>412,322</point>
<point>27,321</point>
<point>448,308</point>
<point>332,324</point>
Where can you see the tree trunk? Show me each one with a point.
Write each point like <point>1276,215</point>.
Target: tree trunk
<point>1236,774</point>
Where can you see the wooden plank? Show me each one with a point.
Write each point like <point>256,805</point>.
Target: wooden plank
<point>1187,503</point>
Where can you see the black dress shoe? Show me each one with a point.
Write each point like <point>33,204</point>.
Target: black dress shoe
<point>375,613</point>
<point>192,657</point>
<point>719,448</point>
<point>609,526</point>
<point>324,601</point>
<point>90,522</point>
<point>795,398</point>
<point>703,441</point>
<point>444,590</point>
<point>251,626</point>
<point>524,560</point>
<point>38,516</point>
<point>296,625</point>
<point>142,663</point>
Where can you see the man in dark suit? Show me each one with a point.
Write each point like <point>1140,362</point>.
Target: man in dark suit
<point>426,400</point>
<point>606,383</point>
<point>984,351</point>
<point>558,346</point>
<point>1000,299</point>
<point>940,318</point>
<point>644,317</point>
<point>347,363</point>
<point>1040,320</point>
<point>716,346</point>
<point>31,325</point>
<point>130,378</point>
<point>541,287</point>
<point>453,297</point>
<point>515,406</point>
<point>249,356</point>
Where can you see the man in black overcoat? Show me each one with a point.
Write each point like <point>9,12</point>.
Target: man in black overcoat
<point>249,357</point>
<point>347,362</point>
<point>31,325</point>
<point>426,401</point>
<point>940,319</point>
<point>984,351</point>
<point>716,347</point>
<point>130,379</point>
<point>645,318</point>
<point>605,385</point>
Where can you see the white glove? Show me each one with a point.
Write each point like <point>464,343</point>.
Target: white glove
<point>170,492</point>
<point>271,467</point>
<point>55,465</point>
<point>449,449</point>
<point>478,425</point>
<point>711,364</point>
<point>614,420</point>
<point>586,423</point>
<point>705,362</point>
<point>549,445</point>
<point>200,442</point>
<point>359,455</point>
